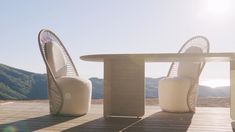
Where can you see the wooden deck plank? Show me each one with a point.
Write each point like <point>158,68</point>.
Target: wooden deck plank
<point>34,116</point>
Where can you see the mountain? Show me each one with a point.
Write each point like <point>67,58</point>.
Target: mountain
<point>19,84</point>
<point>205,91</point>
<point>97,88</point>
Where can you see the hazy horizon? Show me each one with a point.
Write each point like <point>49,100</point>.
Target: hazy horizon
<point>212,83</point>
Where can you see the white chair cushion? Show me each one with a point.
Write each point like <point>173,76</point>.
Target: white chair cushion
<point>77,94</point>
<point>173,94</point>
<point>190,69</point>
<point>56,59</point>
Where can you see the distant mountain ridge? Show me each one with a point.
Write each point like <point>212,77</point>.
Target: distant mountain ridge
<point>19,84</point>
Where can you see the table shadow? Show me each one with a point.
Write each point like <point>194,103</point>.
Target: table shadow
<point>157,122</point>
<point>111,124</point>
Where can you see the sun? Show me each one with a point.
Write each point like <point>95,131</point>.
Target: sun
<point>218,7</point>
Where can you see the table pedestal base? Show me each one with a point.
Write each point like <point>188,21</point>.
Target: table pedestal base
<point>124,87</point>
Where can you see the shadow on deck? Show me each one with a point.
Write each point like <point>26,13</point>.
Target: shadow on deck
<point>32,116</point>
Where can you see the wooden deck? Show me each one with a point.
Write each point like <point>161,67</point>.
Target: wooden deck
<point>34,116</point>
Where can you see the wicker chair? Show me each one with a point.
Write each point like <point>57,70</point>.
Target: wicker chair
<point>178,91</point>
<point>69,94</point>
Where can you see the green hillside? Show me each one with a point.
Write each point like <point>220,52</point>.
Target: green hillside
<point>20,84</point>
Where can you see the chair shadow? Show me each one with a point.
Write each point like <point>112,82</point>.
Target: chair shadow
<point>33,124</point>
<point>112,124</point>
<point>163,122</point>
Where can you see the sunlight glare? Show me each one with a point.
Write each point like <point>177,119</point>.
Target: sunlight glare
<point>218,7</point>
<point>214,83</point>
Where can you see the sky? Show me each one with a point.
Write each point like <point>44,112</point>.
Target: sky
<point>115,26</point>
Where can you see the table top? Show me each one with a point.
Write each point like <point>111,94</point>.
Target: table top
<point>163,57</point>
